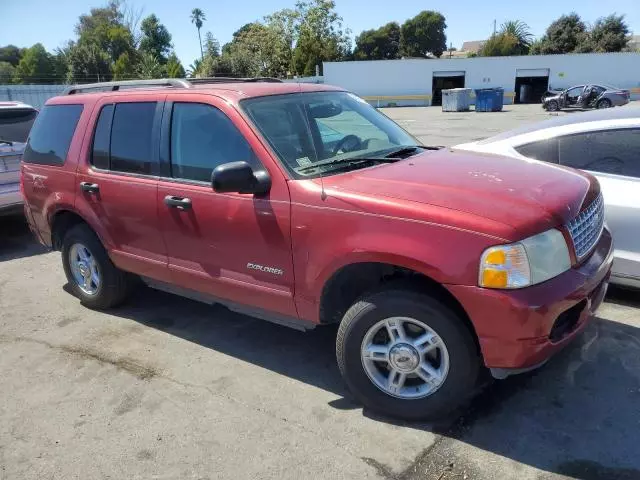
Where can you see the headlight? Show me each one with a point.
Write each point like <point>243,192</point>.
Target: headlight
<point>529,262</point>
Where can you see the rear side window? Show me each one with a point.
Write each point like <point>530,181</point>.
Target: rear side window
<point>51,134</point>
<point>544,150</point>
<point>102,138</point>
<point>202,138</point>
<point>608,151</point>
<point>132,138</point>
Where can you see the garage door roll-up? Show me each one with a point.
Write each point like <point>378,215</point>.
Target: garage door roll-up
<point>449,74</point>
<point>532,72</point>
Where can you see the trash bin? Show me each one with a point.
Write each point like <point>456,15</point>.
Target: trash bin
<point>489,99</point>
<point>456,100</point>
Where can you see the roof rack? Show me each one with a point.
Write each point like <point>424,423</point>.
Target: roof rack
<point>160,82</point>
<point>205,80</point>
<point>114,86</point>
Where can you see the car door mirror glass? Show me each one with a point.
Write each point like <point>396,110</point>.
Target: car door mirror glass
<point>239,177</point>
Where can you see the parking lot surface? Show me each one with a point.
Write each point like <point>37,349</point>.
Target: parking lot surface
<point>168,388</point>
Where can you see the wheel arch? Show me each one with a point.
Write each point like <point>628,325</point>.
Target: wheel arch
<point>349,282</point>
<point>64,219</point>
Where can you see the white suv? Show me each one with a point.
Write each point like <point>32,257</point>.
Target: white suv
<point>16,119</point>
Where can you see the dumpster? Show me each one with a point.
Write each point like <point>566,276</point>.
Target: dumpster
<point>489,99</point>
<point>456,100</point>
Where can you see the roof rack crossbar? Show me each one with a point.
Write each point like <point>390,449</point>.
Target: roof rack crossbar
<point>114,86</point>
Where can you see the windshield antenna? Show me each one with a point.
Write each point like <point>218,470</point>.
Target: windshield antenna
<point>323,194</point>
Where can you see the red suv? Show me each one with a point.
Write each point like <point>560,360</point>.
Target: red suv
<point>303,205</point>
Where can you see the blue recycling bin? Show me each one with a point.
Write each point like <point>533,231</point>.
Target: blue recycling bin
<point>489,99</point>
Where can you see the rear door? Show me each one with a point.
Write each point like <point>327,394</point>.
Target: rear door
<point>236,247</point>
<point>118,182</point>
<point>612,155</point>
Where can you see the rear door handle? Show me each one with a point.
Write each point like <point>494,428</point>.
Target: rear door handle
<point>181,203</point>
<point>89,187</point>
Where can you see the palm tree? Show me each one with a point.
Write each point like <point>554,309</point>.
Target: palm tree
<point>198,17</point>
<point>520,31</point>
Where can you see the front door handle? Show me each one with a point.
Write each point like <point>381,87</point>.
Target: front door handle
<point>181,203</point>
<point>89,187</point>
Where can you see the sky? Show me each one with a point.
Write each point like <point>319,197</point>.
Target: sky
<point>51,22</point>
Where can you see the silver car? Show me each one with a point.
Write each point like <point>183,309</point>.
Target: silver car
<point>603,142</point>
<point>16,120</point>
<point>585,96</point>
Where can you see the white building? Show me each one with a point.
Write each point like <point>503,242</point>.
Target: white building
<point>420,81</point>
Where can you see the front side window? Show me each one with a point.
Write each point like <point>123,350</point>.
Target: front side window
<point>308,130</point>
<point>202,138</point>
<point>132,138</point>
<point>51,135</point>
<point>575,92</point>
<point>607,151</point>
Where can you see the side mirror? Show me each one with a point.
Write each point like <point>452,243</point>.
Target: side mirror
<point>239,177</point>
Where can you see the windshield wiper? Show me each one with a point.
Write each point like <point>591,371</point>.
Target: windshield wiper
<point>410,150</point>
<point>348,161</point>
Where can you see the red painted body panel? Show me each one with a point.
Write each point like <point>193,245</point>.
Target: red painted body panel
<point>433,213</point>
<point>513,326</point>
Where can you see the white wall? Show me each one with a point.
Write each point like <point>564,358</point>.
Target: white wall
<point>414,76</point>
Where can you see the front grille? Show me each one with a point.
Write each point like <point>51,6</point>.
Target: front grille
<point>586,228</point>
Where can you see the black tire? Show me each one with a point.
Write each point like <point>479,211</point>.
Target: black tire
<point>465,363</point>
<point>552,106</point>
<point>115,284</point>
<point>604,103</point>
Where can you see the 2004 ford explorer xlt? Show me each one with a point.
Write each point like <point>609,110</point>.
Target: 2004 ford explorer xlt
<point>303,205</point>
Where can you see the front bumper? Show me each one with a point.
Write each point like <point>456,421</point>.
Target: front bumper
<point>520,329</point>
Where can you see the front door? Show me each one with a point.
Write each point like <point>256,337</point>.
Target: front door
<point>235,247</point>
<point>612,155</point>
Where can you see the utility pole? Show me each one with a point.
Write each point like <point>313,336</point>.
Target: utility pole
<point>494,27</point>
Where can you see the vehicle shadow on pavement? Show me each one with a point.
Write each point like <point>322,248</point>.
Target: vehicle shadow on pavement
<point>577,416</point>
<point>16,240</point>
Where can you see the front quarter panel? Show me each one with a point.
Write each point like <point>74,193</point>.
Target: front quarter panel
<point>332,233</point>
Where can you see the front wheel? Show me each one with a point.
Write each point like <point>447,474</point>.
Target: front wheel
<point>407,355</point>
<point>553,106</point>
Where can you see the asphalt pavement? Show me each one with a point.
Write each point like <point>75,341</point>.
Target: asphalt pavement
<point>168,388</point>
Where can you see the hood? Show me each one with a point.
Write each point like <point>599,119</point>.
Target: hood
<point>527,195</point>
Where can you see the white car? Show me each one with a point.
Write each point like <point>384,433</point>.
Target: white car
<point>16,119</point>
<point>605,143</point>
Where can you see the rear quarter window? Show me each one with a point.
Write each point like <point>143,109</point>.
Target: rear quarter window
<point>544,150</point>
<point>51,134</point>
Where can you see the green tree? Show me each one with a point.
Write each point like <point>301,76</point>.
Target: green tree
<point>174,67</point>
<point>378,44</point>
<point>564,35</point>
<point>423,35</point>
<point>36,66</point>
<point>194,68</point>
<point>149,67</point>
<point>198,17</point>
<point>7,71</point>
<point>125,67</point>
<point>609,34</point>
<point>104,28</point>
<point>520,31</point>
<point>156,39</point>
<point>11,54</point>
<point>320,36</point>
<point>500,45</point>
<point>88,63</point>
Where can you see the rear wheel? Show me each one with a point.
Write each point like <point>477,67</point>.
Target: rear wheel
<point>604,103</point>
<point>93,278</point>
<point>407,355</point>
<point>552,106</point>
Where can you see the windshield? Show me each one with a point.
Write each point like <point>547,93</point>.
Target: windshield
<point>15,123</point>
<point>324,128</point>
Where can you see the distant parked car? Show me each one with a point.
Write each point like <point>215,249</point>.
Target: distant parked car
<point>584,97</point>
<point>605,143</point>
<point>15,123</point>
